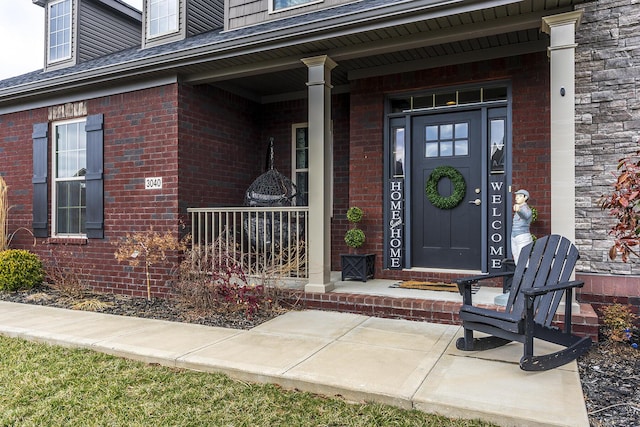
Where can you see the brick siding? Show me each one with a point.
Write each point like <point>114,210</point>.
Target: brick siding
<point>529,75</point>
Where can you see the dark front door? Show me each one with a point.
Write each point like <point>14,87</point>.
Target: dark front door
<point>447,237</point>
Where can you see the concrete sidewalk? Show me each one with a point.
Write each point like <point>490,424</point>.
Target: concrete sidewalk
<point>399,362</point>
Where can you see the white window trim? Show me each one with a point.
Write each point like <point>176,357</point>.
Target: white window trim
<point>54,181</point>
<point>274,10</point>
<point>166,33</point>
<point>71,23</point>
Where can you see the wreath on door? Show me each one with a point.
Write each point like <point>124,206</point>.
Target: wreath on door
<point>459,187</point>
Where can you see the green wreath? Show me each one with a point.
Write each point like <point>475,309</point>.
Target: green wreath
<point>459,187</point>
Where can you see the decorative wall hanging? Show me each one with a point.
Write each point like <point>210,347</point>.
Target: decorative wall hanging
<point>459,187</point>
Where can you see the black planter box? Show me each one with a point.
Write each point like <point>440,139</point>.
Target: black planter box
<point>356,266</point>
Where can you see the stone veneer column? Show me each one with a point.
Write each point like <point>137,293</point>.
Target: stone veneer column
<point>562,29</point>
<point>319,244</point>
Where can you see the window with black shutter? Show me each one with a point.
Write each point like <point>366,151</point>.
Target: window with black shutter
<point>77,207</point>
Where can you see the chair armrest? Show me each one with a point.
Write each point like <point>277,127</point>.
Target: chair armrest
<point>466,281</point>
<point>534,292</point>
<point>464,284</point>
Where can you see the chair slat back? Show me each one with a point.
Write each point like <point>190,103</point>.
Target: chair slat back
<point>547,261</point>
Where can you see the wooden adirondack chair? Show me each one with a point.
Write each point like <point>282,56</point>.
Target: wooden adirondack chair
<point>540,280</point>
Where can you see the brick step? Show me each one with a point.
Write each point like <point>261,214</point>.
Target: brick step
<point>436,311</point>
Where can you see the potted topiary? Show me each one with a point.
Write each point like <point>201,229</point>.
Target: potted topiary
<point>354,265</point>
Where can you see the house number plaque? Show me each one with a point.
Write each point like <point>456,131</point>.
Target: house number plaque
<point>153,183</point>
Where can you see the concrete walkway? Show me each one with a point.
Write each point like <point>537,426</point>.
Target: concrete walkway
<point>399,362</point>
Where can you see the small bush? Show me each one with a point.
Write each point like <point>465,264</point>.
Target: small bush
<point>217,283</point>
<point>67,277</point>
<point>618,320</point>
<point>354,238</point>
<point>19,269</point>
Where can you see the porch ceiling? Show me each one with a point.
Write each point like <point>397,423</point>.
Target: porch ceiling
<point>503,30</point>
<point>263,62</point>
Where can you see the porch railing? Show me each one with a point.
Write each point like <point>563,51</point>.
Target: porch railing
<point>262,240</point>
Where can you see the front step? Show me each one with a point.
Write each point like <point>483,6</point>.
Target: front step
<point>435,311</point>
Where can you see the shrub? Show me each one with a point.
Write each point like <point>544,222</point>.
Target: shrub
<point>213,282</point>
<point>19,269</point>
<point>354,237</point>
<point>618,320</point>
<point>151,248</point>
<point>623,204</point>
<point>67,277</point>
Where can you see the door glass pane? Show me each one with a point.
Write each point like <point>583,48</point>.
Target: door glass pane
<point>446,148</point>
<point>462,147</point>
<point>469,96</point>
<point>431,149</point>
<point>397,160</point>
<point>446,131</point>
<point>432,133</point>
<point>496,138</point>
<point>495,94</point>
<point>462,130</point>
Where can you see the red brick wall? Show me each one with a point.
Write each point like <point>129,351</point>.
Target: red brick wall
<point>601,290</point>
<point>529,75</point>
<point>16,167</point>
<point>142,130</point>
<point>220,147</point>
<point>140,140</point>
<point>532,137</point>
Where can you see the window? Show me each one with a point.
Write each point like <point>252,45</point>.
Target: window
<point>397,151</point>
<point>163,17</point>
<point>69,171</point>
<point>449,99</point>
<point>59,31</point>
<point>497,131</point>
<point>77,185</point>
<point>446,140</point>
<point>285,4</point>
<point>300,156</point>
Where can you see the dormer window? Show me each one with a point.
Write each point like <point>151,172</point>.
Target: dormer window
<point>163,17</point>
<point>59,31</point>
<point>277,5</point>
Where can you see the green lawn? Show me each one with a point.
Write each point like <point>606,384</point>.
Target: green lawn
<point>42,385</point>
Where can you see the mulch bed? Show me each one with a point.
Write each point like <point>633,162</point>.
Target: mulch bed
<point>610,372</point>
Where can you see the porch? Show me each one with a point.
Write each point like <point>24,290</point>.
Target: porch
<point>272,243</point>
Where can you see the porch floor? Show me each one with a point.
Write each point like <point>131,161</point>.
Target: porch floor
<point>384,287</point>
<point>378,297</point>
<point>398,362</point>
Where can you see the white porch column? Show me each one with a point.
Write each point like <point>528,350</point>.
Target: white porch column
<point>561,53</point>
<point>319,244</point>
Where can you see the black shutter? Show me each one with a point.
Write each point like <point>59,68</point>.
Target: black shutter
<point>40,188</point>
<point>94,177</point>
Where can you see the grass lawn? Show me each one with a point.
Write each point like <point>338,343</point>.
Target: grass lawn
<point>42,385</point>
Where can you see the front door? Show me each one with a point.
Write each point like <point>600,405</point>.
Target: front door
<point>446,233</point>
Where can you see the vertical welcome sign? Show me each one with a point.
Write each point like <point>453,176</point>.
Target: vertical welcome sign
<point>395,232</point>
<point>497,225</point>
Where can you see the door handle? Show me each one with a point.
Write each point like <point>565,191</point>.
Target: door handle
<point>476,202</point>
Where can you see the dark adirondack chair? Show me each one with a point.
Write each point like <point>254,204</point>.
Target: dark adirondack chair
<point>540,280</point>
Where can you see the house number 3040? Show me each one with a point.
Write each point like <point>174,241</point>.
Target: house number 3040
<point>152,183</point>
